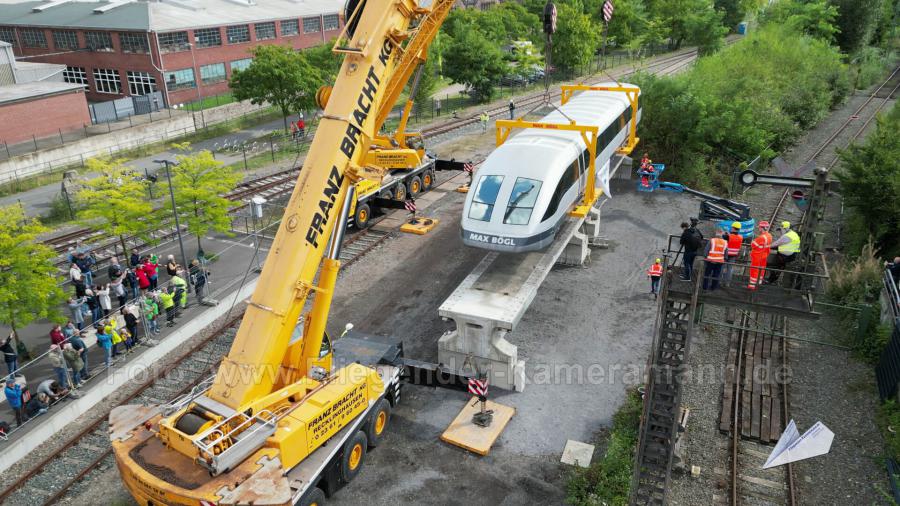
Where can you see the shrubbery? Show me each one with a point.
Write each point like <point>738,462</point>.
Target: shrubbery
<point>740,102</point>
<point>608,480</point>
<point>856,283</point>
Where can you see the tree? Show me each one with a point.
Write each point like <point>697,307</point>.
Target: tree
<point>28,286</point>
<point>575,40</point>
<point>199,182</point>
<point>688,21</point>
<point>630,22</point>
<point>427,84</point>
<point>280,76</point>
<point>323,58</point>
<point>815,18</point>
<point>115,201</point>
<point>473,60</point>
<point>870,182</point>
<point>857,20</point>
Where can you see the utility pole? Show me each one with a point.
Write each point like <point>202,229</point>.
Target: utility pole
<point>167,162</point>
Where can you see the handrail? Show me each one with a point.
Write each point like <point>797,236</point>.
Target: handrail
<point>893,293</point>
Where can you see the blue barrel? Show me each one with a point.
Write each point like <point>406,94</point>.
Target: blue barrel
<point>742,28</point>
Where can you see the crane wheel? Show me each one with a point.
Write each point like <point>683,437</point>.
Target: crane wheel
<point>378,422</point>
<point>427,180</point>
<point>415,186</point>
<point>190,424</point>
<point>362,216</point>
<point>354,455</point>
<point>400,192</point>
<point>313,497</point>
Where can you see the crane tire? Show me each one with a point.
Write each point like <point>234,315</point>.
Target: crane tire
<point>427,180</point>
<point>363,216</point>
<point>378,422</point>
<point>313,497</point>
<point>353,456</point>
<point>414,186</point>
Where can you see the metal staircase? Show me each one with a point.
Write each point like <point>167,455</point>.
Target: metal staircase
<point>659,423</point>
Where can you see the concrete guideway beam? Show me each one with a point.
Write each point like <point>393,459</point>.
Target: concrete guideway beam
<point>494,297</point>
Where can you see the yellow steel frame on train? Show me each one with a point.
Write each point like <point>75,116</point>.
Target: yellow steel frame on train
<point>589,135</point>
<point>632,92</point>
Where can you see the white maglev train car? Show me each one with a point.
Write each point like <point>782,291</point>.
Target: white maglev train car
<point>523,191</point>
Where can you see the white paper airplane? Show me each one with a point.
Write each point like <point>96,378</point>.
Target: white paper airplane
<point>792,446</point>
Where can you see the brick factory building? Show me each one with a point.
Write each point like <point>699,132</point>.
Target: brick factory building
<point>34,100</point>
<point>179,47</point>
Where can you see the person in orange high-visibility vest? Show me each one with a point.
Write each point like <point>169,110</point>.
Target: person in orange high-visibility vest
<point>759,255</point>
<point>735,240</point>
<point>715,258</point>
<point>655,272</point>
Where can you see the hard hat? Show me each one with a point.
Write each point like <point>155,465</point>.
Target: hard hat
<point>736,225</point>
<point>658,260</point>
<point>764,224</point>
<point>785,224</point>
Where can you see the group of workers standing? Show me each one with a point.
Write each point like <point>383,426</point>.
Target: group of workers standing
<point>722,251</point>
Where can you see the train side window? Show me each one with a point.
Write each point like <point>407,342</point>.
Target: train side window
<point>485,196</point>
<point>566,181</point>
<point>585,160</point>
<point>521,201</point>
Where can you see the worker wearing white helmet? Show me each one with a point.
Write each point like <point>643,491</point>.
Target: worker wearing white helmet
<point>787,247</point>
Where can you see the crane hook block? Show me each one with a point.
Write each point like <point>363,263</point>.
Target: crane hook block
<point>322,96</point>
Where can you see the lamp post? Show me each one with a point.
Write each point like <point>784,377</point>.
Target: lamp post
<point>167,162</point>
<point>197,80</point>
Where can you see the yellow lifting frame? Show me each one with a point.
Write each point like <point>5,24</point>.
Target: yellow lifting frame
<point>589,135</point>
<point>632,92</point>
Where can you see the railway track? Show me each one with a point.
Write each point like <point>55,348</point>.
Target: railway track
<point>67,470</point>
<point>749,483</point>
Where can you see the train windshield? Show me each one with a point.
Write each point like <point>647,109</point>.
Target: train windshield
<point>485,197</point>
<point>521,201</point>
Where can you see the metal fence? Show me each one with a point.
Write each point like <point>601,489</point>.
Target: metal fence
<point>115,110</point>
<point>887,372</point>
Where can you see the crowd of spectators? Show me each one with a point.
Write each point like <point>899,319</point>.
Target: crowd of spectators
<point>109,312</point>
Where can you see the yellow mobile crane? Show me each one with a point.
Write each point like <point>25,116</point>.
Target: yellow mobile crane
<point>288,418</point>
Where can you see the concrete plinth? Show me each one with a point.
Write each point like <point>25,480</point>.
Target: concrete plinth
<point>473,347</point>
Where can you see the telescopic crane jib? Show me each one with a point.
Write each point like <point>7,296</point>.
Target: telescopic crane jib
<point>275,400</point>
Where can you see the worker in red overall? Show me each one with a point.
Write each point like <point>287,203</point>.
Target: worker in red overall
<point>646,169</point>
<point>735,241</point>
<point>655,272</point>
<point>759,255</point>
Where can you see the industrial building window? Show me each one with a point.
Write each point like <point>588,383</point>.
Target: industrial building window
<point>65,39</point>
<point>173,42</point>
<point>34,38</point>
<point>140,83</point>
<point>213,73</point>
<point>241,64</point>
<point>238,34</point>
<point>132,42</point>
<point>311,25</point>
<point>76,75</point>
<point>8,35</point>
<point>208,37</point>
<point>107,81</point>
<point>290,27</point>
<point>98,41</point>
<point>180,79</point>
<point>265,31</point>
<point>331,22</point>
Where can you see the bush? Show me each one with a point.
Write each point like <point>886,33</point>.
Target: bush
<point>608,480</point>
<point>739,103</point>
<point>870,66</point>
<point>888,419</point>
<point>856,283</point>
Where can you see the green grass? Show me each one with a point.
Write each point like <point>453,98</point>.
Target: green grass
<point>207,102</point>
<point>607,481</point>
